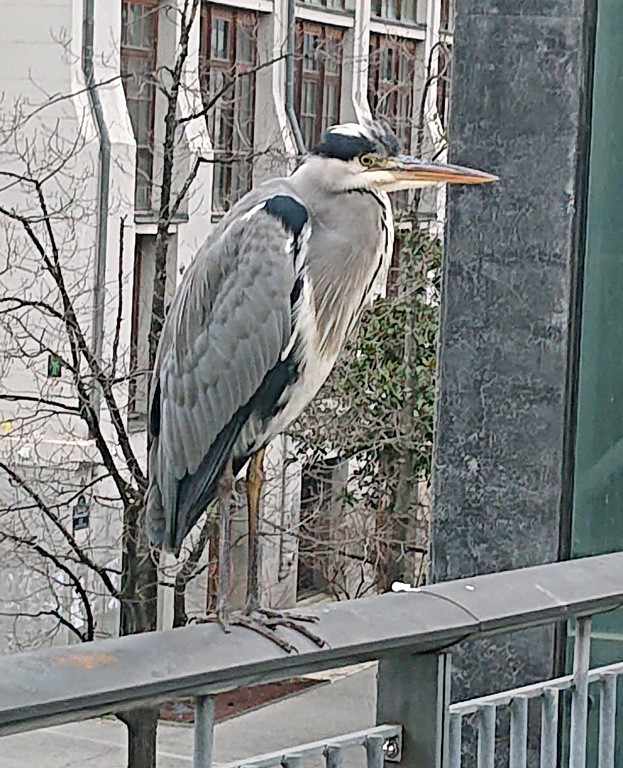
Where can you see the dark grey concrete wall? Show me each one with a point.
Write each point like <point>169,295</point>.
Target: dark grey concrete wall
<point>520,70</point>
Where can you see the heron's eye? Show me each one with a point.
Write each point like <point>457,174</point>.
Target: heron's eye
<point>367,160</point>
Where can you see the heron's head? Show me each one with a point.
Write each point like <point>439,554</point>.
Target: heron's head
<point>367,156</point>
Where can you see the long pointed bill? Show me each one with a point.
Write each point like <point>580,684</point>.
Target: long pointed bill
<point>412,169</point>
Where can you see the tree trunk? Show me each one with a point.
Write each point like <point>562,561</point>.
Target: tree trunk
<point>139,613</point>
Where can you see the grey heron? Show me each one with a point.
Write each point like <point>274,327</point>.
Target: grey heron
<point>258,321</point>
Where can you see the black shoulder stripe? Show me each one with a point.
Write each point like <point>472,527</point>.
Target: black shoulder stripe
<point>296,291</point>
<point>291,213</point>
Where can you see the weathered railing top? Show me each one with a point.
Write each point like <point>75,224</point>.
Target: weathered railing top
<point>61,685</point>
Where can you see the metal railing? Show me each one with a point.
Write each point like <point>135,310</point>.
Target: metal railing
<point>547,693</point>
<point>409,634</point>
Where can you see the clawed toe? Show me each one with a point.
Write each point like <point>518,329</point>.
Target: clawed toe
<point>266,621</point>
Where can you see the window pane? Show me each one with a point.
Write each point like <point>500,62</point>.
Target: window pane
<point>408,10</point>
<point>389,9</point>
<point>333,56</point>
<point>220,39</point>
<point>245,43</point>
<point>310,44</point>
<point>131,15</point>
<point>144,164</point>
<point>330,109</point>
<point>243,115</point>
<point>386,63</point>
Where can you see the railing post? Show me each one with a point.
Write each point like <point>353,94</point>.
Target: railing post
<point>204,732</point>
<point>414,691</point>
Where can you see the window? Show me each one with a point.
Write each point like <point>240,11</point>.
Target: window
<point>318,79</point>
<point>390,83</point>
<point>229,53</point>
<point>395,10</point>
<point>390,90</point>
<point>142,296</point>
<point>447,15</point>
<point>139,37</point>
<point>336,4</point>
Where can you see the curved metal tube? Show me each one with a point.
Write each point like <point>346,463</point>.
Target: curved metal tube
<point>99,288</point>
<point>290,111</point>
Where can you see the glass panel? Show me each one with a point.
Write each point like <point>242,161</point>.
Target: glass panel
<point>389,9</point>
<point>245,43</point>
<point>220,39</point>
<point>408,10</point>
<point>310,44</point>
<point>598,490</point>
<point>218,188</point>
<point>243,115</point>
<point>131,17</point>
<point>330,109</point>
<point>386,63</point>
<point>143,178</point>
<point>333,56</point>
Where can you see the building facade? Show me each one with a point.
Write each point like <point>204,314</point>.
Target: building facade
<point>84,108</point>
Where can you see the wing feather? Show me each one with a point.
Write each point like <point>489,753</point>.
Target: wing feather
<point>222,340</point>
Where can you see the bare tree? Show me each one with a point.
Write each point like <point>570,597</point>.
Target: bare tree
<point>46,199</point>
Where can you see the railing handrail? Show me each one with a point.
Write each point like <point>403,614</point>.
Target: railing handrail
<point>61,685</point>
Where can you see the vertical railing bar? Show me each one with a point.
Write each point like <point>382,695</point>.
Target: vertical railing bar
<point>549,728</point>
<point>454,740</point>
<point>579,696</point>
<point>607,719</point>
<point>374,751</point>
<point>519,733</point>
<point>204,732</point>
<point>334,757</point>
<point>486,737</point>
<point>291,761</point>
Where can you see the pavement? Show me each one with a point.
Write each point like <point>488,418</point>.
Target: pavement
<point>344,702</point>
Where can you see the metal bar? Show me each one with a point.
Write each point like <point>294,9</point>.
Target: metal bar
<point>374,751</point>
<point>607,720</point>
<point>549,728</point>
<point>486,737</point>
<point>319,748</point>
<point>415,691</point>
<point>454,740</point>
<point>204,732</point>
<point>534,691</point>
<point>519,733</point>
<point>50,687</point>
<point>334,757</point>
<point>579,697</point>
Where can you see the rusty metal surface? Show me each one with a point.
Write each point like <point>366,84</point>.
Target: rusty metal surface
<point>62,685</point>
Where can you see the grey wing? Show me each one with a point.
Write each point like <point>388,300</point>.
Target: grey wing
<point>220,349</point>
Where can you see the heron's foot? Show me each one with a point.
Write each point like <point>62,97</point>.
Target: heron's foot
<point>266,622</point>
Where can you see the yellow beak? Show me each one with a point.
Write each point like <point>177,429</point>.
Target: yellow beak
<point>407,168</point>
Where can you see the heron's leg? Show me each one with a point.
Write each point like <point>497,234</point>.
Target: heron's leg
<point>254,483</point>
<point>225,488</point>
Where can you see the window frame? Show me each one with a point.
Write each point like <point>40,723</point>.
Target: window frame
<point>377,11</point>
<point>400,84</point>
<point>225,190</point>
<point>319,77</point>
<point>143,188</point>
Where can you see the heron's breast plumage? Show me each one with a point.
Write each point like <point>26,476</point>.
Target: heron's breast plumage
<point>329,310</point>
